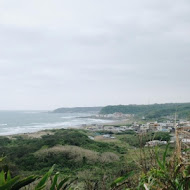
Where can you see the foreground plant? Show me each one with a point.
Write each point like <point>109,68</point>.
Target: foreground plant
<point>169,174</point>
<point>16,183</point>
<point>9,183</point>
<point>121,181</point>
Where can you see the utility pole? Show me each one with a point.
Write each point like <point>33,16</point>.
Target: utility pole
<point>178,147</point>
<point>182,134</point>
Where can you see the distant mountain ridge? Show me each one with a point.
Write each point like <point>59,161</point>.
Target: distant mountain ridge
<point>77,110</point>
<point>150,111</point>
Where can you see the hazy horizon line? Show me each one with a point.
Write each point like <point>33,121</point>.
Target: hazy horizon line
<point>47,110</point>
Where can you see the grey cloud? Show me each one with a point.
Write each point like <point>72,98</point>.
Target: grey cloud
<point>76,53</point>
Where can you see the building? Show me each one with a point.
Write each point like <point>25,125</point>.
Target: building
<point>155,143</point>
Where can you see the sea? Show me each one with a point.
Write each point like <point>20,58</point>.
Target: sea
<point>16,122</point>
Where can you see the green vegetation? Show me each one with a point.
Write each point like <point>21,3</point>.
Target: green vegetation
<point>150,111</point>
<point>27,154</point>
<point>71,150</point>
<point>88,164</point>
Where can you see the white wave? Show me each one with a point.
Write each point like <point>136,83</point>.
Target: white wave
<point>34,127</point>
<point>3,124</point>
<point>68,117</point>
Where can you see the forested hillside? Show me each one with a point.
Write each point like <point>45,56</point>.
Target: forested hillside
<point>150,111</point>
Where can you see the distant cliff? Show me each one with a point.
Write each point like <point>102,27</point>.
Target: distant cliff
<point>77,110</point>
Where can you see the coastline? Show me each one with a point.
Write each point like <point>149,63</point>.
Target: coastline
<point>40,133</point>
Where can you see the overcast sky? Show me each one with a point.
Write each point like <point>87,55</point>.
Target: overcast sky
<point>66,53</point>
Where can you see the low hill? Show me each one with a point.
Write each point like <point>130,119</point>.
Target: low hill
<point>150,111</point>
<point>77,110</point>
